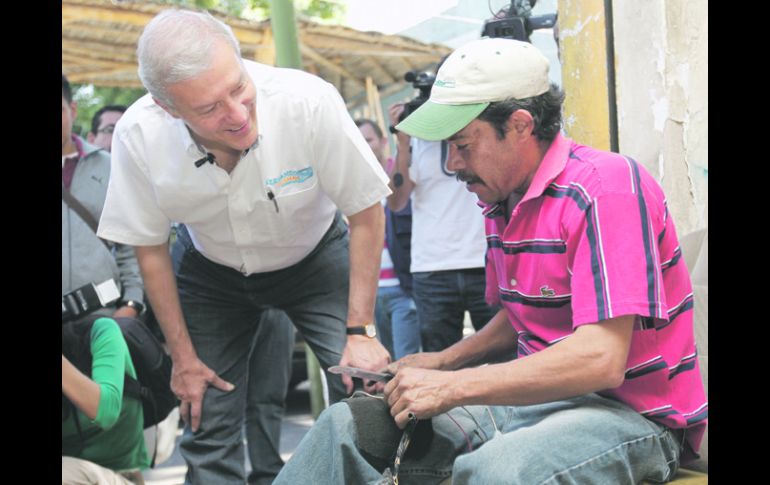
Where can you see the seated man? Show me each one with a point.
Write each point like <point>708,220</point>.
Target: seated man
<point>585,260</point>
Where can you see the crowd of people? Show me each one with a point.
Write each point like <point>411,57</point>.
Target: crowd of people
<point>289,214</point>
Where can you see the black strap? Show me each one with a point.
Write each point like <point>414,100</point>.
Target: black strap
<point>132,388</point>
<point>80,210</point>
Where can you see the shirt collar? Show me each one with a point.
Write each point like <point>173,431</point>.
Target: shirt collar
<point>550,167</point>
<point>79,146</point>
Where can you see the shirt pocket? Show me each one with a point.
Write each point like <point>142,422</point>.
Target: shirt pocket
<point>295,208</point>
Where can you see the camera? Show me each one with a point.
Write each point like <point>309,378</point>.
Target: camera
<point>422,81</point>
<point>516,22</point>
<point>88,298</point>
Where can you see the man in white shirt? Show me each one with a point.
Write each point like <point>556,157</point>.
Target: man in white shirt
<point>257,163</point>
<point>448,241</point>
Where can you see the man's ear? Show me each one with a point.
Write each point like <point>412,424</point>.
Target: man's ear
<point>168,109</point>
<point>521,122</point>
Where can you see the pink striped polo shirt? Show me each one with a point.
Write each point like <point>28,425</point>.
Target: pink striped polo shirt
<point>592,239</point>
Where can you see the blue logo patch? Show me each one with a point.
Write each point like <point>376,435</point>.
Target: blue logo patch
<point>291,177</point>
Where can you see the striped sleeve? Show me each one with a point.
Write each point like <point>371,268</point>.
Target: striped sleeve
<point>616,269</point>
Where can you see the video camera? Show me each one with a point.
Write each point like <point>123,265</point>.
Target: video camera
<point>422,81</point>
<point>516,22</point>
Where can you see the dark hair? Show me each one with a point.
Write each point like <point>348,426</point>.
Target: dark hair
<point>97,118</point>
<point>66,90</point>
<point>544,108</point>
<point>366,121</point>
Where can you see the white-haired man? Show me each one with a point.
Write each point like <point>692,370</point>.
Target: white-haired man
<point>584,258</point>
<point>256,162</point>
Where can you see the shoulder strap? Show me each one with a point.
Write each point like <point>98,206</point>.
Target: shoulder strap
<point>133,388</point>
<point>84,214</point>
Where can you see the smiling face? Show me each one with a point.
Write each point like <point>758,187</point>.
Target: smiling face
<point>493,168</point>
<point>219,104</point>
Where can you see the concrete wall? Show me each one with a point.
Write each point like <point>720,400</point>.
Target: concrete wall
<point>661,66</point>
<point>583,43</point>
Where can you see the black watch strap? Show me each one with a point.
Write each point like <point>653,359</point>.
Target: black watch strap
<point>136,305</point>
<point>368,330</point>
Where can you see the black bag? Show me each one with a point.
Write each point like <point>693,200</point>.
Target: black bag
<point>152,385</point>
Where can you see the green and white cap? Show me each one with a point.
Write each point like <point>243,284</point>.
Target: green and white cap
<point>474,75</point>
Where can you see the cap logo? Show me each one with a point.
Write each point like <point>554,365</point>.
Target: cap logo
<point>445,84</point>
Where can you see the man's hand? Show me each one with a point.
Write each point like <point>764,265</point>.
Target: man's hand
<point>422,360</point>
<point>125,312</point>
<point>189,382</point>
<point>394,113</point>
<point>366,353</point>
<point>422,392</point>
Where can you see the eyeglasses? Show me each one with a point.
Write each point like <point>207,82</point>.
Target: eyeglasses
<point>107,130</point>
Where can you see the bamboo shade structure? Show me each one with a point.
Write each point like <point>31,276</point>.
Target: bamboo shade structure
<point>99,47</point>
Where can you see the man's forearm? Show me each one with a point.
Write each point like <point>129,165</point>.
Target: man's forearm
<point>400,183</point>
<point>367,234</point>
<point>130,277</point>
<point>160,284</point>
<point>590,360</point>
<point>497,338</point>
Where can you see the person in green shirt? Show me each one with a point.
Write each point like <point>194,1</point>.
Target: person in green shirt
<point>101,428</point>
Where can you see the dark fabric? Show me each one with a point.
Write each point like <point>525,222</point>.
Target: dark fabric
<point>75,205</point>
<point>398,234</point>
<point>68,170</point>
<point>377,436</point>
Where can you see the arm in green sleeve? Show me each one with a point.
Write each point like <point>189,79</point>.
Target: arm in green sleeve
<point>110,354</point>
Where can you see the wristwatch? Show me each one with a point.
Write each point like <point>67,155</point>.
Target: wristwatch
<point>139,307</point>
<point>367,329</point>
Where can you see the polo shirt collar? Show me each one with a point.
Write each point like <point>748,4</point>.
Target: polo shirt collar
<point>79,146</point>
<point>553,163</point>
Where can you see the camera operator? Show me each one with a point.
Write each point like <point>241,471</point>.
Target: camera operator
<point>448,242</point>
<point>85,258</point>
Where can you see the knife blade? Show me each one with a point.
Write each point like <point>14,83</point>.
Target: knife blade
<point>361,373</point>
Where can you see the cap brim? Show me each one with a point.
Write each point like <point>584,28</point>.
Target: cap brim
<point>434,122</point>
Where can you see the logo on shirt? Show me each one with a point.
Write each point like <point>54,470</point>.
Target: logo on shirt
<point>290,177</point>
<point>545,291</point>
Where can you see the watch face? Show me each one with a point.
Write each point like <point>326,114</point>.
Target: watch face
<point>371,330</point>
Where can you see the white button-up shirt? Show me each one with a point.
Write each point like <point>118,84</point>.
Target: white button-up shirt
<point>310,159</point>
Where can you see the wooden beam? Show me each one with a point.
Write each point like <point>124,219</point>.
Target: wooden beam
<point>375,104</point>
<point>112,72</point>
<point>319,59</point>
<point>140,15</point>
<point>383,76</point>
<point>265,51</point>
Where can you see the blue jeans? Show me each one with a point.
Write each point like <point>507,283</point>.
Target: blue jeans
<point>397,324</point>
<point>223,310</point>
<point>442,297</point>
<point>587,439</point>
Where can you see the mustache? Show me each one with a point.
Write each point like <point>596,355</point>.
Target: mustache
<point>468,178</point>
